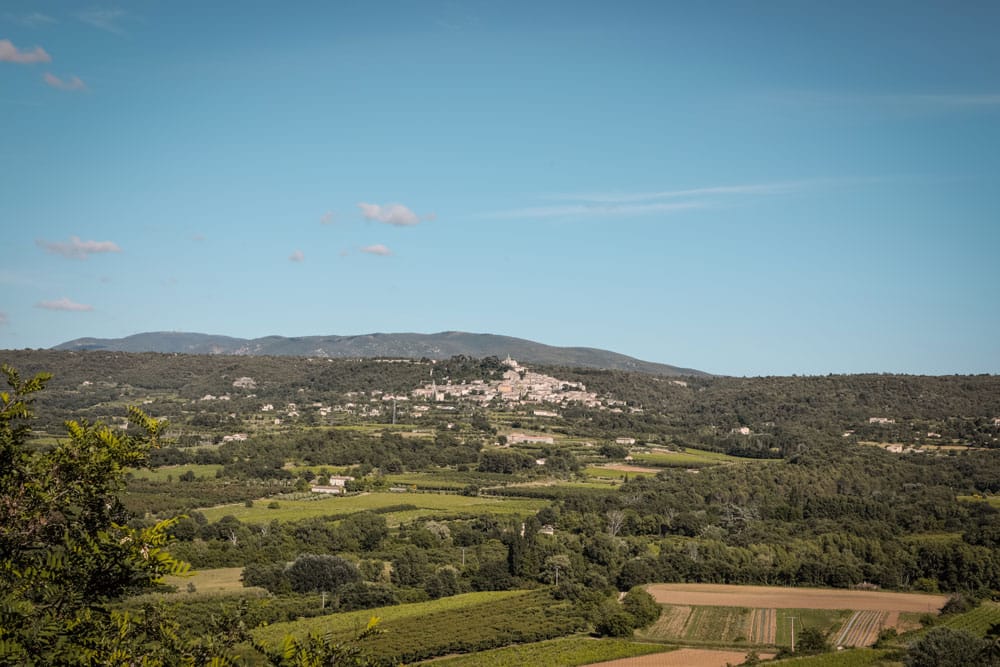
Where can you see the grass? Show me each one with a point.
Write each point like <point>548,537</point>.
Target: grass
<point>428,504</point>
<point>859,657</point>
<point>219,580</point>
<point>691,458</point>
<point>207,470</point>
<point>992,500</point>
<point>563,652</point>
<point>977,621</point>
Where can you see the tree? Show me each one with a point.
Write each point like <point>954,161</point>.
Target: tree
<point>613,621</point>
<point>314,573</point>
<point>947,647</point>
<point>642,606</point>
<point>65,551</point>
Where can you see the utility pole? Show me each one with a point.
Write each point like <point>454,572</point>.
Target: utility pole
<point>463,556</point>
<point>792,619</point>
<point>322,604</point>
<point>557,575</point>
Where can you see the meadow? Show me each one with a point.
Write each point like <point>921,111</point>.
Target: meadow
<point>426,504</point>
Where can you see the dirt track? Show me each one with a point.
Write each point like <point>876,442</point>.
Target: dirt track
<point>685,657</point>
<point>721,595</point>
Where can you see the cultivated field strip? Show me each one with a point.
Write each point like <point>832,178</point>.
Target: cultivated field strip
<point>763,626</point>
<point>862,628</point>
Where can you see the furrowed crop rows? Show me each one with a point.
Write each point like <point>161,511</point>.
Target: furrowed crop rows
<point>977,621</point>
<point>763,626</point>
<point>862,628</point>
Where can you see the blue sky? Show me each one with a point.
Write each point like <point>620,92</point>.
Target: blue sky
<point>747,188</point>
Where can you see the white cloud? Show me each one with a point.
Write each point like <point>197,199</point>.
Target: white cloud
<point>297,256</point>
<point>77,249</point>
<point>377,249</point>
<point>390,214</point>
<point>64,304</point>
<point>72,83</point>
<point>11,54</point>
<point>3,319</point>
<point>327,218</point>
<point>103,19</point>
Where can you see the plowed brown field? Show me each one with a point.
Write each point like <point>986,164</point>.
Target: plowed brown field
<point>773,597</point>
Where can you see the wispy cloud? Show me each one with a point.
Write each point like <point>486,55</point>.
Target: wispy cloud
<point>11,54</point>
<point>3,319</point>
<point>327,218</point>
<point>898,102</point>
<point>714,191</point>
<point>588,209</point>
<point>390,214</point>
<point>77,249</point>
<point>953,101</point>
<point>297,256</point>
<point>623,204</point>
<point>32,20</point>
<point>377,249</point>
<point>64,304</point>
<point>103,19</point>
<point>72,83</point>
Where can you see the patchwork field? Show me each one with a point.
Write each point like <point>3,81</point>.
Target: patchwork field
<point>758,626</point>
<point>723,595</point>
<point>427,504</point>
<point>704,614</point>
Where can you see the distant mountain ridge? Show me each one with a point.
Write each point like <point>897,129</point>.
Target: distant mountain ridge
<point>400,345</point>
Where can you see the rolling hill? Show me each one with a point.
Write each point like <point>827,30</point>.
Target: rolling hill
<point>400,345</point>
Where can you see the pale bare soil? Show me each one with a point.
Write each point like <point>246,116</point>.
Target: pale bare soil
<point>723,595</point>
<point>624,467</point>
<point>685,657</point>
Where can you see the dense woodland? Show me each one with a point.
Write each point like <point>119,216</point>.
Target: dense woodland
<point>803,492</point>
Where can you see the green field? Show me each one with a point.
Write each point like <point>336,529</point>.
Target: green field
<point>977,621</point>
<point>218,580</point>
<point>460,624</point>
<point>428,504</point>
<point>207,471</point>
<point>689,458</point>
<point>564,652</point>
<point>859,657</point>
